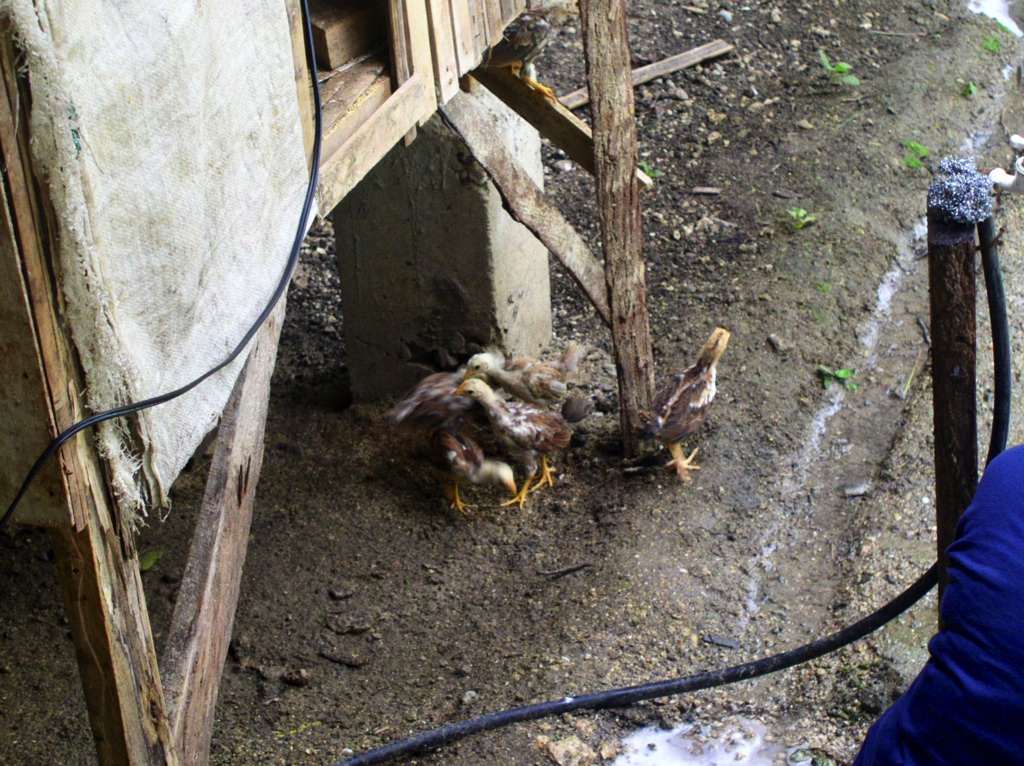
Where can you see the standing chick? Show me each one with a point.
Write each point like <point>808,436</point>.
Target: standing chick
<point>681,406</point>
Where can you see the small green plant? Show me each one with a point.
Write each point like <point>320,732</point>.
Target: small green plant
<point>823,287</point>
<point>148,559</point>
<point>969,89</point>
<point>991,43</point>
<point>800,218</point>
<point>651,172</point>
<point>843,376</point>
<point>840,71</point>
<point>918,153</point>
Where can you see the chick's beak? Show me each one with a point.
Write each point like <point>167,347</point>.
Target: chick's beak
<point>461,390</point>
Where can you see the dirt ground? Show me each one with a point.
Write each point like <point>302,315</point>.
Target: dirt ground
<point>370,611</point>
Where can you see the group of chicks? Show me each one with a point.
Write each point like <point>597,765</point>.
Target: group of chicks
<point>524,404</point>
<point>450,412</point>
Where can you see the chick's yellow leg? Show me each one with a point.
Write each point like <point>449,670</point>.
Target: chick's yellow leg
<point>451,491</point>
<point>457,501</point>
<point>544,90</point>
<point>683,465</point>
<point>544,477</point>
<point>520,497</point>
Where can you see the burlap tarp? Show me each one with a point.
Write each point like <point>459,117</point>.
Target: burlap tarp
<point>167,136</point>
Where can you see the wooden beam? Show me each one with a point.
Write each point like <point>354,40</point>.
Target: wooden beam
<point>106,609</point>
<point>204,612</point>
<point>526,202</point>
<point>706,52</point>
<point>26,419</point>
<point>553,121</point>
<point>606,51</point>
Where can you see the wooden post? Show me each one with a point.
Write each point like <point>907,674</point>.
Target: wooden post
<point>951,281</point>
<point>606,50</point>
<point>204,612</point>
<point>95,558</point>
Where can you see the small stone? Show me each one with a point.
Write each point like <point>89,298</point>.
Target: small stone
<point>297,677</point>
<point>565,166</point>
<point>341,658</point>
<point>571,751</point>
<point>728,643</point>
<point>470,698</point>
<point>856,488</point>
<point>779,346</point>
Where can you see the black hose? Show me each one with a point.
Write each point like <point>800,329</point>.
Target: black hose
<point>989,238</point>
<point>627,696</point>
<point>279,291</point>
<point>632,694</point>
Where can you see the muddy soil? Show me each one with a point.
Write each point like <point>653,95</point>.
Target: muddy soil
<point>371,611</point>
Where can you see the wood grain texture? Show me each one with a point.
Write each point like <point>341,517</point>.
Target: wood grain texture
<point>204,612</point>
<point>526,202</point>
<point>606,50</point>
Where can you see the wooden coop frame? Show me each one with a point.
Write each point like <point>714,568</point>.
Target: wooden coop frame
<point>386,67</point>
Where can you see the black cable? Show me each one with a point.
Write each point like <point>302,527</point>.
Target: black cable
<point>989,238</point>
<point>279,291</point>
<point>627,696</point>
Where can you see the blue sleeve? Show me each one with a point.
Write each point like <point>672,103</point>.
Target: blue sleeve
<point>967,704</point>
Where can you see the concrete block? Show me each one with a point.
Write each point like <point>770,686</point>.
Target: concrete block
<point>433,269</point>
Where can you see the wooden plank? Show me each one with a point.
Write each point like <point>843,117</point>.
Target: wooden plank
<point>344,31</point>
<point>526,202</point>
<point>606,49</point>
<point>953,293</point>
<point>462,28</point>
<point>401,53</point>
<point>204,612</point>
<point>26,423</point>
<point>494,22</point>
<point>698,55</point>
<point>113,643</point>
<point>344,168</point>
<point>421,57</point>
<point>419,46</point>
<point>442,42</point>
<point>553,121</point>
<point>26,227</point>
<point>303,81</point>
<point>349,100</point>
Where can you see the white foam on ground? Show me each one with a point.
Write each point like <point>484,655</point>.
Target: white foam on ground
<point>742,743</point>
<point>998,10</point>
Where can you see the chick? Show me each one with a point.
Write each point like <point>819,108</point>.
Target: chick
<point>525,428</point>
<point>681,406</point>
